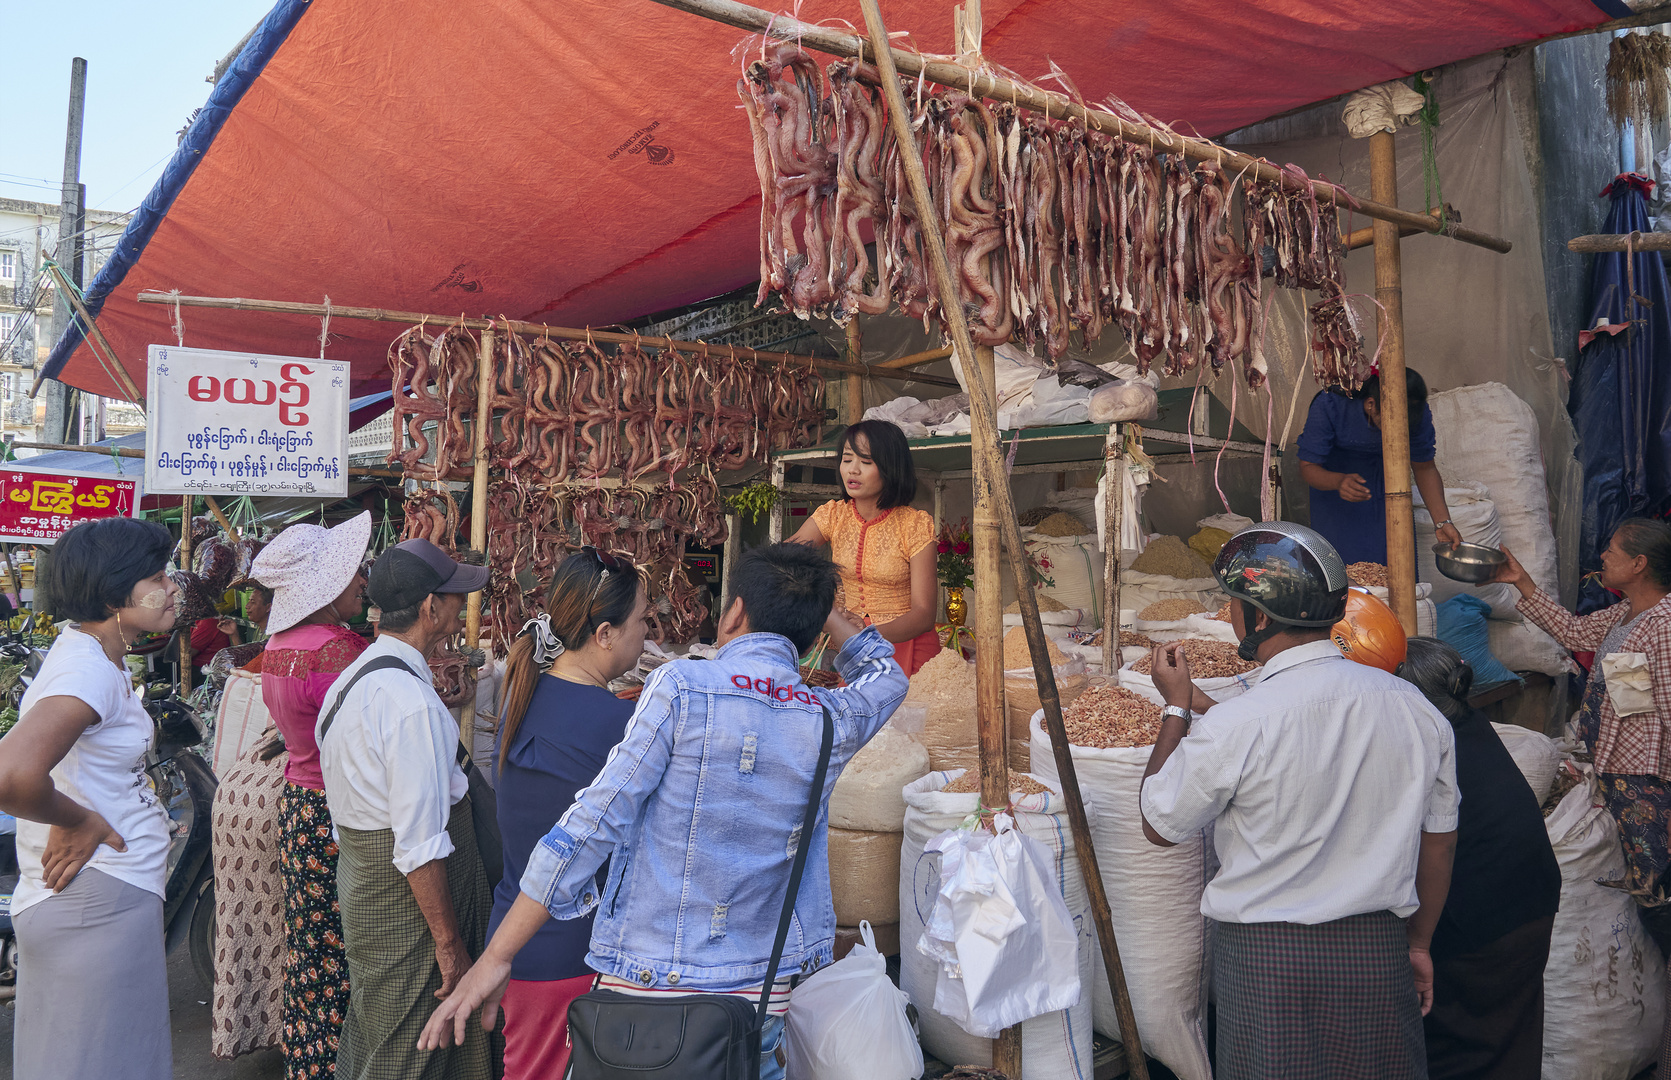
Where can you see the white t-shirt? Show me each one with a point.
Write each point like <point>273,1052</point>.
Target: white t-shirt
<point>104,771</point>
<point>1318,783</point>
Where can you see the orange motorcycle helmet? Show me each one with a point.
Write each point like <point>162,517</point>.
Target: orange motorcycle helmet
<point>1370,633</point>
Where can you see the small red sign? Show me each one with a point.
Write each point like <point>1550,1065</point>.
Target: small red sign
<point>39,507</point>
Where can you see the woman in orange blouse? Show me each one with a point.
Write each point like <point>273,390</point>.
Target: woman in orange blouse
<point>884,547</point>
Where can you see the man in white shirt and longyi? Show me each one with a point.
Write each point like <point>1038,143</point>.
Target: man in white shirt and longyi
<point>1331,790</point>
<point>414,896</point>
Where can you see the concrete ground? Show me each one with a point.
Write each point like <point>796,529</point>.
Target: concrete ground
<point>188,1002</point>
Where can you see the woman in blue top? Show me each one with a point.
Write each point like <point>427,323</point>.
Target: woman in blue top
<point>557,724</point>
<point>1340,457</point>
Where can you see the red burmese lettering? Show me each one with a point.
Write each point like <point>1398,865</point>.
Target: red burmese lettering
<point>246,396</point>
<point>203,388</point>
<point>290,413</point>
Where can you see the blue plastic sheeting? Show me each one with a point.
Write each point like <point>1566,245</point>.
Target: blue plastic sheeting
<point>1620,401</point>
<point>222,100</point>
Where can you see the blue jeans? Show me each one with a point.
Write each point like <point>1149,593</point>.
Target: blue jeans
<point>770,1036</point>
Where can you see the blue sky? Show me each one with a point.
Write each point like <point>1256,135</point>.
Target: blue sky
<point>146,65</point>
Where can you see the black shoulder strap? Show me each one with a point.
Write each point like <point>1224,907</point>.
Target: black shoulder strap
<point>814,797</point>
<point>382,663</point>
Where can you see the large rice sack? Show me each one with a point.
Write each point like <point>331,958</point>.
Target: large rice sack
<point>945,688</point>
<point>1604,985</point>
<point>864,876</point>
<point>1075,572</point>
<point>1219,689</point>
<point>1534,753</point>
<point>869,794</point>
<point>1154,898</point>
<point>1055,1046</point>
<point>1522,646</point>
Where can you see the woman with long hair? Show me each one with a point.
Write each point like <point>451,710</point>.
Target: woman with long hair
<point>318,586</point>
<point>92,837</point>
<point>557,723</point>
<point>883,546</point>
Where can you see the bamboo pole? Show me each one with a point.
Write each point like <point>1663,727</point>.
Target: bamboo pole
<point>94,334</point>
<point>11,575</point>
<point>1113,511</point>
<point>1617,242</point>
<point>989,472</point>
<point>220,516</point>
<point>478,485</point>
<point>185,565</point>
<point>565,333</point>
<point>1060,106</point>
<point>914,359</point>
<point>1362,238</point>
<point>1395,409</point>
<point>855,384</point>
<point>990,721</point>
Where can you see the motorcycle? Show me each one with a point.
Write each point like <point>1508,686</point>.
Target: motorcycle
<point>184,784</point>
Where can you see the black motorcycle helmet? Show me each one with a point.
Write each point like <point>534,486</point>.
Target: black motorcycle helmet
<point>1287,571</point>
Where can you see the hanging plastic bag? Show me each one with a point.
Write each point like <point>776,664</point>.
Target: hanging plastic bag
<point>1007,947</point>
<point>848,1022</point>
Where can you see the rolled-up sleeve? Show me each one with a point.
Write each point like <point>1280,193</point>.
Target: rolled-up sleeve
<point>1191,790</point>
<point>420,772</point>
<point>562,869</point>
<point>1444,799</point>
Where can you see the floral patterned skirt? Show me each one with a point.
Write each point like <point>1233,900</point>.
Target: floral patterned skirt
<point>315,970</point>
<point>1640,804</point>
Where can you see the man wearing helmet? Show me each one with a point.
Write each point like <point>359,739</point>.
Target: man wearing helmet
<point>1331,789</point>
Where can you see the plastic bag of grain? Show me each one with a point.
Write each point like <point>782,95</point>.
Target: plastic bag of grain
<point>945,689</point>
<point>869,794</point>
<point>1154,898</point>
<point>864,876</point>
<point>1053,1046</point>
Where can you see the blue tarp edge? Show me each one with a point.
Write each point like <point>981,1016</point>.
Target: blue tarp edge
<point>251,61</point>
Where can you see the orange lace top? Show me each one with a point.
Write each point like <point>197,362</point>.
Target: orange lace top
<point>874,556</point>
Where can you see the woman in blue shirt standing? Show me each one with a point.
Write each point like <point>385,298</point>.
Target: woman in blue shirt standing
<point>558,722</point>
<point>1340,458</point>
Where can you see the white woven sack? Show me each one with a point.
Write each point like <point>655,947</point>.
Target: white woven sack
<point>1489,435</point>
<point>1138,590</point>
<point>1154,898</point>
<point>243,717</point>
<point>1075,568</point>
<point>1522,646</point>
<point>1475,517</point>
<point>1056,1046</point>
<point>868,796</point>
<point>1534,753</point>
<point>1604,985</point>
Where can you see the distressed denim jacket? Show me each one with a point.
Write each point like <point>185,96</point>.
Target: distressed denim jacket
<point>699,810</point>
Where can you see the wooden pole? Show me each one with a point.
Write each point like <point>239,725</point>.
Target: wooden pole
<point>915,359</point>
<point>780,507</point>
<point>1059,106</point>
<point>482,428</point>
<point>1395,408</point>
<point>1613,242</point>
<point>990,722</point>
<point>220,516</point>
<point>94,334</point>
<point>989,473</point>
<point>855,383</point>
<point>1362,238</point>
<point>565,333</point>
<point>11,575</point>
<point>185,565</point>
<point>1115,457</point>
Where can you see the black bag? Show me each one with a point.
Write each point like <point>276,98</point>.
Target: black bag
<point>694,1036</point>
<point>484,801</point>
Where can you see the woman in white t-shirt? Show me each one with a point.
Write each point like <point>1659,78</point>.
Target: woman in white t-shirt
<point>92,837</point>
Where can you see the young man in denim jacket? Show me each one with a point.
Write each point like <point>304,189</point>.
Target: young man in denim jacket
<point>699,807</point>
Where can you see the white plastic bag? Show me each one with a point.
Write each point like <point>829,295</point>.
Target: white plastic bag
<point>1121,401</point>
<point>848,1022</point>
<point>1007,946</point>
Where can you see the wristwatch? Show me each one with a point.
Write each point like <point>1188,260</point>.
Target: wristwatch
<point>1179,711</point>
<point>1443,523</point>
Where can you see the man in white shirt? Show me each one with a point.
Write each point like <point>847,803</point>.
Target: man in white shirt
<point>1331,790</point>
<point>414,897</point>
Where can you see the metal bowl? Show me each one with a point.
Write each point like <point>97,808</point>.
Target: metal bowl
<point>1473,563</point>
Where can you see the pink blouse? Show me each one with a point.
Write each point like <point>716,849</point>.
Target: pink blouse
<point>297,668</point>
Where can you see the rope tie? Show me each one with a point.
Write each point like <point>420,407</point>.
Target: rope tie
<point>179,323</point>
<point>325,328</point>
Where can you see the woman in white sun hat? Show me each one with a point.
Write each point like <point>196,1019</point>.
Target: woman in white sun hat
<point>315,574</point>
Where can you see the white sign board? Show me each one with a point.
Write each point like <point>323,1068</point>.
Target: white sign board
<point>227,423</point>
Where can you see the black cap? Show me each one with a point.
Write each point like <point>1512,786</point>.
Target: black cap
<point>411,570</point>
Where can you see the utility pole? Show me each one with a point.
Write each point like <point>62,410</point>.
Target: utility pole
<point>72,217</point>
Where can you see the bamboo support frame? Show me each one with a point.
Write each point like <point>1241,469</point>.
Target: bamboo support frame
<point>11,574</point>
<point>1395,408</point>
<point>1599,243</point>
<point>565,333</point>
<point>1361,238</point>
<point>914,359</point>
<point>855,383</point>
<point>990,475</point>
<point>1059,106</point>
<point>1113,511</point>
<point>94,334</point>
<point>220,516</point>
<point>185,565</point>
